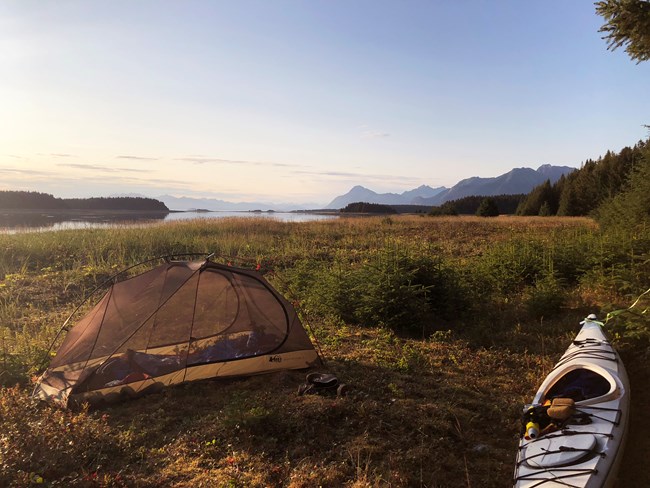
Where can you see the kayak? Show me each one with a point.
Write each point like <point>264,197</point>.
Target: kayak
<point>574,432</point>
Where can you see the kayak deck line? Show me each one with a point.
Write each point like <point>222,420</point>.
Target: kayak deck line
<point>591,340</point>
<point>591,352</point>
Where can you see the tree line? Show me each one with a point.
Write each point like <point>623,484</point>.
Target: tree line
<point>583,191</point>
<point>612,185</point>
<point>365,207</point>
<point>481,205</point>
<point>471,205</point>
<point>31,200</point>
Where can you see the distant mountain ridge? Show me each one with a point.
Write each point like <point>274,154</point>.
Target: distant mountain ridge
<point>362,194</point>
<point>189,203</point>
<point>185,204</point>
<point>514,182</point>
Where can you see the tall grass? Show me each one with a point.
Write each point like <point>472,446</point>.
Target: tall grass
<point>410,274</point>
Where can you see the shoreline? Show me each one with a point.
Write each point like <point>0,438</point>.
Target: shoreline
<point>80,211</point>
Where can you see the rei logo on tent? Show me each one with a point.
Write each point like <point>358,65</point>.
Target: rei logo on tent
<point>177,322</point>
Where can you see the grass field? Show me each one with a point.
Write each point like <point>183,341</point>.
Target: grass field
<point>443,327</point>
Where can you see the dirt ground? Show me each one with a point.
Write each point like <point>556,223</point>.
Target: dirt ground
<point>634,470</point>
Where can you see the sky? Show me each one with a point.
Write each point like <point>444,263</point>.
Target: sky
<point>298,101</point>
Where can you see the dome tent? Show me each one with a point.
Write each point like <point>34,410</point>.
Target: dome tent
<point>180,321</point>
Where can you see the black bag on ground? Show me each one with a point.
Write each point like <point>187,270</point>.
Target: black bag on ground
<point>319,383</point>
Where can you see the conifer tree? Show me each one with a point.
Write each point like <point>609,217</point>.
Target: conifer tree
<point>568,202</point>
<point>545,210</point>
<point>627,24</point>
<point>536,198</point>
<point>488,208</point>
<point>630,209</point>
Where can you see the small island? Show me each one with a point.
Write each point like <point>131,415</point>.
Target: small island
<point>33,209</point>
<point>31,200</point>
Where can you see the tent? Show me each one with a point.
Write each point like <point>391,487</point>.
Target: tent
<point>180,321</point>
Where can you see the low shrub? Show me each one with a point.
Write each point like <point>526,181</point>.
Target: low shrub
<point>54,444</point>
<point>389,293</point>
<point>546,298</point>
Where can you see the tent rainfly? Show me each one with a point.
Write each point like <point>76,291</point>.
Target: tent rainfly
<point>181,321</point>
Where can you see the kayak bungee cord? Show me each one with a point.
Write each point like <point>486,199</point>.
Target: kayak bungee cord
<point>556,479</point>
<point>604,409</point>
<point>558,451</point>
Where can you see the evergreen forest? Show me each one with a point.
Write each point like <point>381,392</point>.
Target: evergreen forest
<point>31,200</point>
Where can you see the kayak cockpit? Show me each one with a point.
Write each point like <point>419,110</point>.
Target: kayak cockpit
<point>583,383</point>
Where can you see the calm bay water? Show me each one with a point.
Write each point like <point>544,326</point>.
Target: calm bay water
<point>43,221</point>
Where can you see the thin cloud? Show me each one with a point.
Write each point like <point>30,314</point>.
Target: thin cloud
<point>366,177</point>
<point>137,158</point>
<point>56,155</point>
<point>92,175</point>
<point>131,170</point>
<point>332,173</point>
<point>374,134</point>
<point>104,169</point>
<point>14,175</point>
<point>206,160</point>
<point>368,132</point>
<point>28,172</point>
<point>149,182</point>
<point>54,182</point>
<point>200,160</point>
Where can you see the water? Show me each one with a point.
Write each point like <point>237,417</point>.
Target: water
<point>42,221</point>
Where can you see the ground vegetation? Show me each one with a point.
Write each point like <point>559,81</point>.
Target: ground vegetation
<point>443,327</point>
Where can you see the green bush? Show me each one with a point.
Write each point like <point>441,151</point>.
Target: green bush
<point>324,289</point>
<point>488,208</point>
<point>12,369</point>
<point>507,268</point>
<point>386,288</point>
<point>546,298</point>
<point>389,295</point>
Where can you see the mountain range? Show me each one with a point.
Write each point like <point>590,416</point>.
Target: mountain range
<point>362,194</point>
<point>516,181</point>
<point>188,203</point>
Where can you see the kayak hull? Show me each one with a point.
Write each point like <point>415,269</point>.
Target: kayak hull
<point>586,451</point>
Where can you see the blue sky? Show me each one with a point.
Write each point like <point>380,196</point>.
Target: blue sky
<point>297,101</point>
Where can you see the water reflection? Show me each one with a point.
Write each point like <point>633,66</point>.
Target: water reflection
<point>40,221</point>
